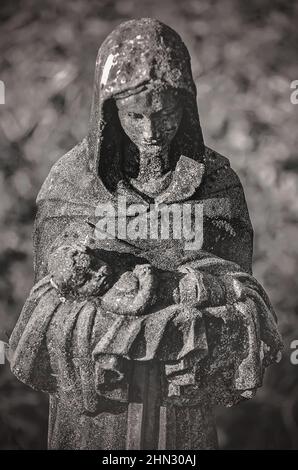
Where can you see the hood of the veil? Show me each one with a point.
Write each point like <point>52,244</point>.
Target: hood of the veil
<point>139,53</point>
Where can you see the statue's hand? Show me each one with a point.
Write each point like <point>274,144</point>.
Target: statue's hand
<point>75,271</point>
<point>201,289</point>
<point>133,293</point>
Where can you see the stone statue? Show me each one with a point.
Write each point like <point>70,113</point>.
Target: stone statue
<point>136,338</point>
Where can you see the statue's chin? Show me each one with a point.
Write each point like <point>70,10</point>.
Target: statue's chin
<point>153,149</point>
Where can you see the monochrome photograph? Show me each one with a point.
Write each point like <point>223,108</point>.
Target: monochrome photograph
<point>149,228</point>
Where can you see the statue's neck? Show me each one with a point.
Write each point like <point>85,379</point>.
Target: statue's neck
<point>146,164</point>
<point>148,170</point>
<point>152,164</point>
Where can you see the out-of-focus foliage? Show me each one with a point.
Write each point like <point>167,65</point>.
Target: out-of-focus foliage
<point>244,57</point>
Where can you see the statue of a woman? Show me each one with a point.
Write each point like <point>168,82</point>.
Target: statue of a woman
<point>136,338</point>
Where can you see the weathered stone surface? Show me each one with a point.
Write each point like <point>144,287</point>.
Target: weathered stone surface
<point>142,333</point>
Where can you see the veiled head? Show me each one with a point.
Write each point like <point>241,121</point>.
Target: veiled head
<point>143,93</point>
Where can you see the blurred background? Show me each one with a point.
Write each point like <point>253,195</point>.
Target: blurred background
<point>244,58</point>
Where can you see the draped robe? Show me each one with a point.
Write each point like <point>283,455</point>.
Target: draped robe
<point>86,358</point>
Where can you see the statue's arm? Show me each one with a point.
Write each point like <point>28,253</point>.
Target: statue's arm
<point>61,250</point>
<point>227,249</point>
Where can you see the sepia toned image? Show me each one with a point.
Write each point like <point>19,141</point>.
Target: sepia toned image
<point>148,225</point>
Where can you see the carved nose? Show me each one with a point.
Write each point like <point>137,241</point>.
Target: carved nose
<point>150,131</point>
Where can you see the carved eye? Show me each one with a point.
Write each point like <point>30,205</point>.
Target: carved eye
<point>168,112</point>
<point>135,115</point>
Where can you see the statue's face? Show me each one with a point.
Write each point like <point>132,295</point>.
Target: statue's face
<point>151,118</point>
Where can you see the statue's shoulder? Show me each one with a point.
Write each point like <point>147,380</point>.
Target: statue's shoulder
<point>218,172</point>
<point>214,161</point>
<point>64,171</point>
